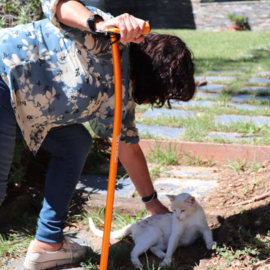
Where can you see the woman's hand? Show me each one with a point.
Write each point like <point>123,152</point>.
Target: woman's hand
<point>130,27</point>
<point>156,207</point>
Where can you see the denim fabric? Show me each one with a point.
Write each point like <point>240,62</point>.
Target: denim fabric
<point>7,137</point>
<point>69,146</point>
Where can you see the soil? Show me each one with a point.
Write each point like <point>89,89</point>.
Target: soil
<point>233,226</point>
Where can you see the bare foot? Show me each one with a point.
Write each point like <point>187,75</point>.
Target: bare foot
<point>40,246</point>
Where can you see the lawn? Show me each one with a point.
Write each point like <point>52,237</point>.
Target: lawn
<point>219,50</point>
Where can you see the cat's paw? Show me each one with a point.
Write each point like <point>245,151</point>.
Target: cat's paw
<point>160,255</point>
<point>209,245</point>
<point>166,262</point>
<point>137,264</point>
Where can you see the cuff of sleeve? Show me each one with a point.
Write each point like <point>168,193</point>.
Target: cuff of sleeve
<point>131,140</point>
<point>91,24</point>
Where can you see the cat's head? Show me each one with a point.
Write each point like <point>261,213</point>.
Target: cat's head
<point>182,205</point>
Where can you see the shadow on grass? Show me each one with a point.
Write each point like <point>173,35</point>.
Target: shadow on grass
<point>223,64</point>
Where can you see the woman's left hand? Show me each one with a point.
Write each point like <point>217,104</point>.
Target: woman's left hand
<point>130,27</point>
<point>156,207</point>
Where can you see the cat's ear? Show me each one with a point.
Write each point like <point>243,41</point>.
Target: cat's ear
<point>190,200</point>
<point>171,197</point>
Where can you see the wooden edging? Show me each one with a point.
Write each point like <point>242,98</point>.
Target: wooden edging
<point>217,152</point>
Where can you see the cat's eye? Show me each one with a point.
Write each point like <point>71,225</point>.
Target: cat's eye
<point>182,211</point>
<point>174,210</point>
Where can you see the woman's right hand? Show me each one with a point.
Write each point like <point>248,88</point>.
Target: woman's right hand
<point>130,27</point>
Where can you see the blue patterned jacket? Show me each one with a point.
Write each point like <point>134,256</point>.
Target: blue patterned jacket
<point>60,75</point>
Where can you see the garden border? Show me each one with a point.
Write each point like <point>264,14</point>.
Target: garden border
<point>216,152</point>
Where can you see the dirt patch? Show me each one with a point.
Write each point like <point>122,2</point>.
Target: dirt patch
<point>241,231</point>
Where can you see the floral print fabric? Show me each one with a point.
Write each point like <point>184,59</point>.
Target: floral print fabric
<point>60,75</point>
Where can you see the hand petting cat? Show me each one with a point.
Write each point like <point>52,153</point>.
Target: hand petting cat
<point>156,207</point>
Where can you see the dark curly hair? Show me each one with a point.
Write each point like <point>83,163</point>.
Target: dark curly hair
<point>161,68</point>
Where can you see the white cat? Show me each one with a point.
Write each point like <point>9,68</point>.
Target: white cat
<point>165,232</point>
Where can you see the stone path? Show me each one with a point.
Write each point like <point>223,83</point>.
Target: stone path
<point>215,78</point>
<point>196,181</point>
<point>206,97</point>
<point>157,113</point>
<point>172,133</point>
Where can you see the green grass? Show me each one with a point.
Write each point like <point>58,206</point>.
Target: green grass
<point>244,166</point>
<point>223,50</point>
<point>12,245</point>
<point>167,156</point>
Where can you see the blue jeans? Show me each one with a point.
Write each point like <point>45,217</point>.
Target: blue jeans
<point>69,146</point>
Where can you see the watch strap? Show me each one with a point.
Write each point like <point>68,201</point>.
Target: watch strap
<point>150,198</point>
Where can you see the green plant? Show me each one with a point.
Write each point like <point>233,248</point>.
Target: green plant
<point>168,156</point>
<point>23,12</point>
<point>11,246</point>
<point>123,220</point>
<point>238,18</point>
<point>236,166</point>
<point>254,166</point>
<point>155,172</point>
<point>2,22</point>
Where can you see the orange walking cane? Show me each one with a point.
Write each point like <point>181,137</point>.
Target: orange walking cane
<point>114,34</point>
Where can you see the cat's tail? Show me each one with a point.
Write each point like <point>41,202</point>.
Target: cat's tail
<point>114,235</point>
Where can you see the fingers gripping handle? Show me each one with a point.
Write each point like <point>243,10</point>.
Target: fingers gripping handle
<point>116,30</point>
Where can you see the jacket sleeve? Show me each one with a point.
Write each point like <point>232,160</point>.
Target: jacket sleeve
<point>129,132</point>
<point>49,9</point>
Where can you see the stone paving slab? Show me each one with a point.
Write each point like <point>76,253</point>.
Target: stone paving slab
<point>245,106</point>
<point>261,49</point>
<point>172,133</point>
<point>206,95</point>
<point>230,119</point>
<point>215,78</point>
<point>212,88</point>
<point>249,56</point>
<point>191,103</point>
<point>255,89</point>
<point>264,73</point>
<point>195,172</point>
<point>230,136</point>
<point>156,113</point>
<point>241,98</point>
<point>94,184</point>
<point>221,72</point>
<point>196,187</point>
<point>259,81</point>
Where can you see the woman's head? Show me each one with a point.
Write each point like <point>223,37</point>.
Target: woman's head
<point>161,68</point>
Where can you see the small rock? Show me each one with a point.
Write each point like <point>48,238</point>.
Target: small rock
<point>202,265</point>
<point>260,265</point>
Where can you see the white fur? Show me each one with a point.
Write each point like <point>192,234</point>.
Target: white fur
<point>165,232</point>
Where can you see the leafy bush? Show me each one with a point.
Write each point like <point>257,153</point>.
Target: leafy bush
<point>20,12</point>
<point>238,18</point>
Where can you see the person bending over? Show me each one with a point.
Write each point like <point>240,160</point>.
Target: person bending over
<point>56,74</point>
